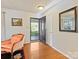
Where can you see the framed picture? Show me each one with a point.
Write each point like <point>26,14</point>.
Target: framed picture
<point>68,20</point>
<point>16,21</point>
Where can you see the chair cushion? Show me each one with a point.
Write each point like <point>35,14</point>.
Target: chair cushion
<point>6,42</point>
<point>7,45</point>
<point>5,49</point>
<point>16,38</point>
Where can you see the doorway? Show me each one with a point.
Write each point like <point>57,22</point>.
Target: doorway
<point>34,29</point>
<point>38,29</point>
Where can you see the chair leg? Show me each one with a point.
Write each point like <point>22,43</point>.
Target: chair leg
<point>12,57</point>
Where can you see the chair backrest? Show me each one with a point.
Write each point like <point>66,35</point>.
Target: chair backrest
<point>17,38</point>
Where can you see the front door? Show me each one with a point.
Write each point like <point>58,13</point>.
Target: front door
<point>38,29</point>
<point>34,30</point>
<point>43,29</point>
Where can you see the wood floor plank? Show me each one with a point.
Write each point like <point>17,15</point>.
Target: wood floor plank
<point>39,50</point>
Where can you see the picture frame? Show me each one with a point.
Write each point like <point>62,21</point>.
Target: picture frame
<point>16,21</point>
<point>68,20</point>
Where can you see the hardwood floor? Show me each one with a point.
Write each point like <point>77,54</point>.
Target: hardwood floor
<point>39,50</point>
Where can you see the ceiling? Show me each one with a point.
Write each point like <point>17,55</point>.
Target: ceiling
<point>25,5</point>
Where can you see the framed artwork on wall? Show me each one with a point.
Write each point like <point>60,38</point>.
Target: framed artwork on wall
<point>68,20</point>
<point>16,21</point>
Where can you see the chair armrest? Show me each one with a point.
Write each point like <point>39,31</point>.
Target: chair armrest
<point>12,51</point>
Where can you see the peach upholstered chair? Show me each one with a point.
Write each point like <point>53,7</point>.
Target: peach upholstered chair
<point>10,45</point>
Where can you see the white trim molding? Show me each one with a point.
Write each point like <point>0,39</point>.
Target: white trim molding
<point>61,52</point>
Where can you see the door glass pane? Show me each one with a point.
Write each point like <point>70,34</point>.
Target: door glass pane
<point>34,29</point>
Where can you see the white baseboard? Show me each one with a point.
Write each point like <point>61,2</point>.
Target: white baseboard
<point>62,53</point>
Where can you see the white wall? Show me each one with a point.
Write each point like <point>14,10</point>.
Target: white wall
<point>63,41</point>
<point>10,30</point>
<point>3,26</point>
